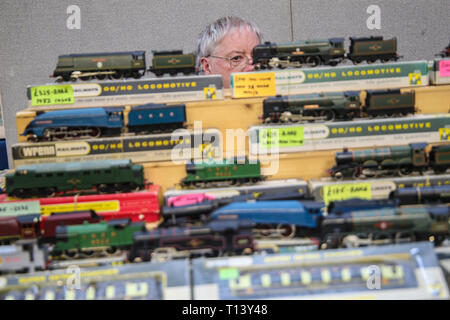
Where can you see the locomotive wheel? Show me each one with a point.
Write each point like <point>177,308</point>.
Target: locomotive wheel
<point>328,114</point>
<point>101,76</point>
<point>313,61</point>
<point>117,75</point>
<point>103,188</point>
<point>405,171</point>
<point>357,60</point>
<point>402,237</point>
<point>351,241</point>
<point>136,75</point>
<point>286,230</point>
<point>95,132</point>
<point>370,61</point>
<point>111,251</point>
<point>71,254</point>
<point>338,175</point>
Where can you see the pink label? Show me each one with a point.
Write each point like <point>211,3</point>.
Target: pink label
<point>444,68</point>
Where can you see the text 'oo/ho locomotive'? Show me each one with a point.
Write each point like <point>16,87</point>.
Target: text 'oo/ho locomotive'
<point>402,160</point>
<point>328,51</point>
<point>116,65</point>
<point>329,106</point>
<point>89,123</point>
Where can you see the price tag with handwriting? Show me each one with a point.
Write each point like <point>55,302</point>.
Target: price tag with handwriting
<point>52,95</point>
<point>347,191</point>
<point>281,137</point>
<point>246,85</point>
<point>444,68</point>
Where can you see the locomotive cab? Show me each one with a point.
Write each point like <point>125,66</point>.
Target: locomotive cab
<point>419,156</point>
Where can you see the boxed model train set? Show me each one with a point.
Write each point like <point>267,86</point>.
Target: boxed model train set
<point>339,175</point>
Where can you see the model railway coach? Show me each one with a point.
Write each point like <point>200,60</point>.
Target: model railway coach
<point>117,65</point>
<point>48,179</point>
<point>88,123</point>
<point>331,106</point>
<point>222,172</point>
<point>23,256</point>
<point>324,51</point>
<point>402,160</point>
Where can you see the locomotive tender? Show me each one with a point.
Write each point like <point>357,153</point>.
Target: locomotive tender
<point>105,176</point>
<point>324,51</point>
<point>116,65</point>
<point>87,123</point>
<point>391,160</point>
<point>331,106</point>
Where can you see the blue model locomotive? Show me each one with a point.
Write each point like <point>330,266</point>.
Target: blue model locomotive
<point>89,123</point>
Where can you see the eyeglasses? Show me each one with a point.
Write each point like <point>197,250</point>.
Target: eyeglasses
<point>236,61</point>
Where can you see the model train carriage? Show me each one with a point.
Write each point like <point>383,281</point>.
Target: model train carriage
<point>100,65</point>
<point>371,49</point>
<point>214,238</point>
<point>232,172</point>
<point>23,256</point>
<point>440,157</point>
<point>389,103</point>
<point>48,179</point>
<point>324,106</point>
<point>419,195</point>
<point>104,237</point>
<point>377,161</point>
<point>153,118</point>
<point>286,219</point>
<point>172,62</point>
<point>75,124</point>
<point>386,225</point>
<point>297,54</point>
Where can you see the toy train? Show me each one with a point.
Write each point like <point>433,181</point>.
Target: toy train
<point>402,160</point>
<point>350,227</point>
<point>328,52</point>
<point>116,65</point>
<point>88,123</point>
<point>48,179</point>
<point>23,256</point>
<point>446,52</point>
<point>338,106</point>
<point>421,195</point>
<point>222,172</point>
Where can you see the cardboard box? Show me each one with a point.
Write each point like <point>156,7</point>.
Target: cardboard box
<point>406,271</point>
<point>124,92</point>
<point>141,149</point>
<point>272,139</point>
<point>326,79</point>
<point>440,71</point>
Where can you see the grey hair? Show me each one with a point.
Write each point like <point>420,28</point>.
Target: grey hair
<point>214,33</point>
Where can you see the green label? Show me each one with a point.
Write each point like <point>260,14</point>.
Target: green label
<point>19,208</point>
<point>347,191</point>
<point>228,273</point>
<point>51,95</point>
<point>281,137</point>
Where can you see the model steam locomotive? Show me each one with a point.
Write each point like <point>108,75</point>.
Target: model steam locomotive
<point>116,65</point>
<point>87,123</point>
<point>331,106</point>
<point>391,160</point>
<point>47,179</point>
<point>328,51</point>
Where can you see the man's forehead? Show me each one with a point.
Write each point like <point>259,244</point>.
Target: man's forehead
<point>237,41</point>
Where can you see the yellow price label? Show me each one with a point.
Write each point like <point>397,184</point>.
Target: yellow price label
<point>246,85</point>
<point>52,95</point>
<point>281,137</point>
<point>99,207</point>
<point>346,191</point>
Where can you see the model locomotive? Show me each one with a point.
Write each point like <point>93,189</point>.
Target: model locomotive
<point>47,179</point>
<point>391,160</point>
<point>88,123</point>
<point>222,172</point>
<point>116,65</point>
<point>350,227</point>
<point>328,51</point>
<point>338,106</point>
<point>446,52</point>
<point>421,195</point>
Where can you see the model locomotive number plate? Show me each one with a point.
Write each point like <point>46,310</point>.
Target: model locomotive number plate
<point>50,95</point>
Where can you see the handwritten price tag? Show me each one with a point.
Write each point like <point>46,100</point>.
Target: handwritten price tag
<point>51,95</point>
<point>444,68</point>
<point>246,85</point>
<point>281,137</point>
<point>347,191</point>
<point>14,209</point>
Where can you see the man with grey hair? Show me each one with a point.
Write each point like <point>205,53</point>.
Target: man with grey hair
<point>225,46</point>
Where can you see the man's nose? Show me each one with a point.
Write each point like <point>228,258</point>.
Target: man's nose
<point>249,65</point>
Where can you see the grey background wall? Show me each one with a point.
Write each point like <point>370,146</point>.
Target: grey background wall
<point>34,32</point>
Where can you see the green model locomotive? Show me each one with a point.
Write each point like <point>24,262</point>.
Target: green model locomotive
<point>46,179</point>
<point>222,172</point>
<point>390,160</point>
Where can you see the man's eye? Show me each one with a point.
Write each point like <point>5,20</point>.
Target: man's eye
<point>237,58</point>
